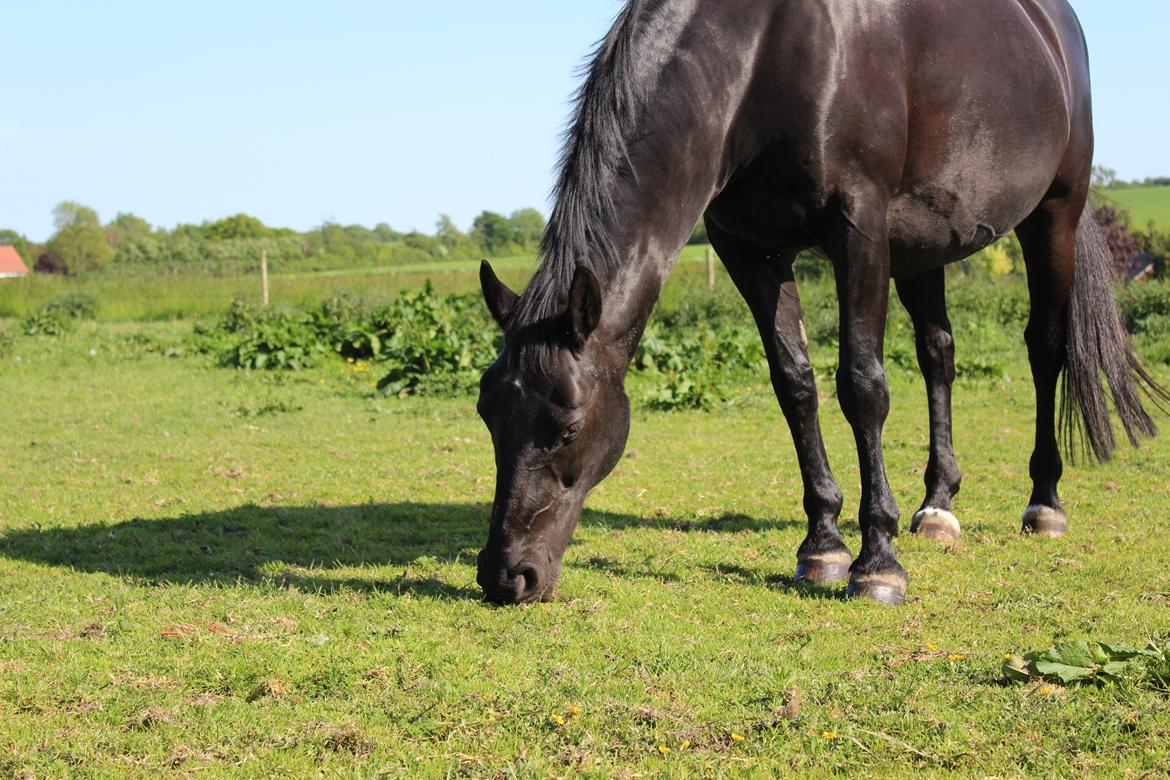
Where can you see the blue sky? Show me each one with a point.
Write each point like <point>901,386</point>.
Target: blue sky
<point>367,112</point>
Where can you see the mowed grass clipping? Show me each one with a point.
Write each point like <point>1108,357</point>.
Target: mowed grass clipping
<point>216,571</point>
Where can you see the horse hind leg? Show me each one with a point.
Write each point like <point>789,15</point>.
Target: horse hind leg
<point>768,287</point>
<point>1048,238</point>
<point>1075,328</point>
<point>924,298</point>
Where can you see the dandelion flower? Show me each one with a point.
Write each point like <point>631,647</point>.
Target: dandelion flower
<point>663,749</point>
<point>558,719</point>
<point>686,743</point>
<point>829,736</point>
<point>574,711</point>
<point>736,737</point>
<point>932,647</point>
<point>1045,691</point>
<point>956,657</point>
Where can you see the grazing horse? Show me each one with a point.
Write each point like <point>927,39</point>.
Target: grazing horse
<point>897,136</point>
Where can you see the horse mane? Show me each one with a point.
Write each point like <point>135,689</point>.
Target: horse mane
<point>595,153</point>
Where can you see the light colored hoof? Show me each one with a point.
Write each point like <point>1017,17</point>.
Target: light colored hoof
<point>931,523</point>
<point>884,588</point>
<point>824,568</point>
<point>1045,521</point>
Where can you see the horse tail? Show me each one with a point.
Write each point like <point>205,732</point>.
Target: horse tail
<point>1097,344</point>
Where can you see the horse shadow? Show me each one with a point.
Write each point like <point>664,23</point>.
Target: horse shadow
<point>309,546</point>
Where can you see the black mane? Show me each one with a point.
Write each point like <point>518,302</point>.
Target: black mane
<point>595,154</point>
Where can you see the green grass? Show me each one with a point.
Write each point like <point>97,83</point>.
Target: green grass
<point>1144,204</point>
<point>215,571</point>
<point>147,297</point>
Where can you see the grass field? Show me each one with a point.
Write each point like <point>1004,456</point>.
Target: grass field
<point>163,297</point>
<point>239,574</point>
<point>1144,204</point>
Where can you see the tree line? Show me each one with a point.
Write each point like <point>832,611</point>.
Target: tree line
<point>82,243</point>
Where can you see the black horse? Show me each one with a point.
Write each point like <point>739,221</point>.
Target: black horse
<point>895,135</point>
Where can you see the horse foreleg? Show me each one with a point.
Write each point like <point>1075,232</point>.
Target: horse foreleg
<point>767,285</point>
<point>857,243</point>
<point>924,297</point>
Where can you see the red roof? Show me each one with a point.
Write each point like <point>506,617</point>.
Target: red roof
<point>10,262</point>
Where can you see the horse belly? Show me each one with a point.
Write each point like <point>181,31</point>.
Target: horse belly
<point>934,226</point>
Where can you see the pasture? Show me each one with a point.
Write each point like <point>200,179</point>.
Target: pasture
<point>1144,205</point>
<point>151,296</point>
<point>242,573</point>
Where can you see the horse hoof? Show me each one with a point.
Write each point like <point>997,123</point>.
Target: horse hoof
<point>931,523</point>
<point>1045,521</point>
<point>824,568</point>
<point>887,588</point>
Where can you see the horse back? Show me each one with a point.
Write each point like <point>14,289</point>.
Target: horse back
<point>961,116</point>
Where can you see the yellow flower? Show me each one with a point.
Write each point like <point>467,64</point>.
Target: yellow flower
<point>1045,691</point>
<point>932,647</point>
<point>686,743</point>
<point>1007,656</point>
<point>829,736</point>
<point>736,737</point>
<point>663,749</point>
<point>574,711</point>
<point>956,657</point>
<point>558,719</point>
<point>349,360</point>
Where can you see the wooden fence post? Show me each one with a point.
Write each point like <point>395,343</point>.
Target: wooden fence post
<point>710,269</point>
<point>264,274</point>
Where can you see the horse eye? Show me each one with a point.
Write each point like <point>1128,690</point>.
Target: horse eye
<point>570,433</point>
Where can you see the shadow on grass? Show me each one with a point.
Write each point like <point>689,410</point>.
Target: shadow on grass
<point>250,544</point>
<point>785,583</point>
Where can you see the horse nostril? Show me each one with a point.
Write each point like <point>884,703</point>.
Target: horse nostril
<point>526,579</point>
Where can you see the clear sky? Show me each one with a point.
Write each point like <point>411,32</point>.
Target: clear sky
<point>367,112</point>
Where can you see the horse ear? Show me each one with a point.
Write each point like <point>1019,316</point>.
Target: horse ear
<point>584,310</point>
<point>496,295</point>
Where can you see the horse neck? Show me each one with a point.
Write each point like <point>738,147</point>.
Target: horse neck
<point>676,161</point>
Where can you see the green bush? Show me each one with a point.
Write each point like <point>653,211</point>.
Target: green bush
<point>249,336</point>
<point>47,323</point>
<point>698,349</point>
<point>74,306</point>
<point>57,317</point>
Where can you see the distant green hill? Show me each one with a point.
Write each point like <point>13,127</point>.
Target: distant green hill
<point>1144,204</point>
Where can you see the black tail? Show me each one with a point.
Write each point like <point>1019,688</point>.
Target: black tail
<point>1098,344</point>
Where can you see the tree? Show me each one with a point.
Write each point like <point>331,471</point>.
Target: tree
<point>127,227</point>
<point>1104,178</point>
<point>699,234</point>
<point>493,233</point>
<point>68,212</point>
<point>235,227</point>
<point>79,244</point>
<point>452,242</point>
<point>527,227</point>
